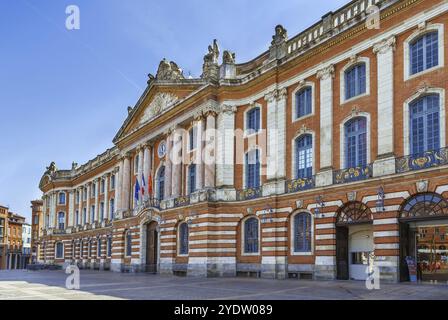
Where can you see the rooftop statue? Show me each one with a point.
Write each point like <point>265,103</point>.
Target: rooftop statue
<point>169,70</point>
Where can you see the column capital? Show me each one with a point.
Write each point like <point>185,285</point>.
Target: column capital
<point>326,72</point>
<point>276,95</point>
<point>385,45</point>
<point>227,109</point>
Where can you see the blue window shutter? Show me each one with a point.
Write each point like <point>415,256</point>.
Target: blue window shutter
<point>355,81</point>
<point>424,124</point>
<point>183,238</point>
<point>303,102</point>
<point>192,178</point>
<point>162,183</point>
<point>356,142</point>
<point>424,52</point>
<point>251,235</point>
<point>304,156</point>
<point>302,232</point>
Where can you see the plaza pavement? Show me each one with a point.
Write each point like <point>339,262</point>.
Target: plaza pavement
<point>96,285</point>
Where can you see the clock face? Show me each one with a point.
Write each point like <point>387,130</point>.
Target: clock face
<point>161,152</point>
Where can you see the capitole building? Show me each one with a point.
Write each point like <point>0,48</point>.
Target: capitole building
<point>324,157</point>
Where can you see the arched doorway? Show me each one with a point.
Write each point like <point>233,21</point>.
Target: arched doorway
<point>423,222</point>
<point>152,240</point>
<point>354,241</point>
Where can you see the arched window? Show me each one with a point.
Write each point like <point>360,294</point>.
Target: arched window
<point>253,120</point>
<point>424,124</point>
<point>161,183</point>
<point>98,250</point>
<point>61,220</point>
<point>192,178</point>
<point>356,142</point>
<point>84,215</point>
<point>355,81</point>
<point>304,102</point>
<point>59,250</point>
<point>61,197</point>
<point>112,209</point>
<point>109,246</point>
<point>251,235</point>
<point>302,232</point>
<point>424,52</point>
<point>183,238</point>
<point>304,156</point>
<point>128,241</point>
<point>89,249</point>
<point>101,211</point>
<point>253,169</point>
<point>424,205</point>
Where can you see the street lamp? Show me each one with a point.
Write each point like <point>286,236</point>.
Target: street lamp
<point>380,201</point>
<point>319,208</point>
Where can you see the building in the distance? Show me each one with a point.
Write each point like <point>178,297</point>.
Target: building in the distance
<point>324,157</point>
<point>26,245</point>
<point>15,242</point>
<point>3,236</point>
<point>36,228</point>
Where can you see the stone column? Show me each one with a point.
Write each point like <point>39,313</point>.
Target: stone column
<point>71,208</point>
<point>168,171</point>
<point>210,150</point>
<point>126,183</point>
<point>176,186</point>
<point>97,199</point>
<point>106,196</point>
<point>140,168</point>
<point>225,151</point>
<point>385,163</point>
<point>53,218</point>
<point>199,123</point>
<point>80,189</point>
<point>118,187</point>
<point>146,166</point>
<point>89,186</point>
<point>325,176</point>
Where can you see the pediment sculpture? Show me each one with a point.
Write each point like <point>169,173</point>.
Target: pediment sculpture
<point>160,102</point>
<point>169,70</point>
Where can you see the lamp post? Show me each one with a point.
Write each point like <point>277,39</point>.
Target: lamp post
<point>380,201</point>
<point>320,206</point>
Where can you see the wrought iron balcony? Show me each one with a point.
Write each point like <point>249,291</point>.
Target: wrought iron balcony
<point>182,201</point>
<point>248,194</point>
<point>423,160</point>
<point>299,184</point>
<point>353,174</point>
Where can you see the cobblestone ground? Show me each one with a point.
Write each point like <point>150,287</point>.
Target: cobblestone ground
<point>95,285</point>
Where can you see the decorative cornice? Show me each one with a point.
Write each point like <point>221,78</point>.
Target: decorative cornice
<point>326,72</point>
<point>385,45</point>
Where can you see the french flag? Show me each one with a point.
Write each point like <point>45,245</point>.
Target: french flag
<point>143,185</point>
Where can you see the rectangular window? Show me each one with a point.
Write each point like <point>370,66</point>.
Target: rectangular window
<point>303,102</point>
<point>112,182</point>
<point>112,208</point>
<point>252,169</point>
<point>253,120</point>
<point>109,246</point>
<point>192,138</point>
<point>192,178</point>
<point>103,184</point>
<point>92,214</point>
<point>102,211</point>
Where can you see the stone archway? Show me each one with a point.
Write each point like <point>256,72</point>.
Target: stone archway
<point>150,242</point>
<point>353,226</point>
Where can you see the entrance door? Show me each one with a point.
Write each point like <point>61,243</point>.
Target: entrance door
<point>151,247</point>
<point>342,253</point>
<point>404,251</point>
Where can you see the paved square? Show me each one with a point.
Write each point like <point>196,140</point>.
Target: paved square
<point>95,285</point>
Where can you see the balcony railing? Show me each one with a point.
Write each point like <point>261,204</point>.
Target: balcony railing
<point>248,194</point>
<point>300,184</point>
<point>182,201</point>
<point>423,160</point>
<point>352,174</point>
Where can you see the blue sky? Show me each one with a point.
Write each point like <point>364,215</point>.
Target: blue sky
<point>64,94</point>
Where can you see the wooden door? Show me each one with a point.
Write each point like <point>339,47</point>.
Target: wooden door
<point>404,251</point>
<point>342,253</point>
<point>151,247</point>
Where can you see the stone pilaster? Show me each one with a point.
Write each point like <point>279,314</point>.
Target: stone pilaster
<point>199,123</point>
<point>71,207</point>
<point>210,150</point>
<point>126,191</point>
<point>97,199</point>
<point>176,186</point>
<point>225,147</point>
<point>106,196</point>
<point>326,75</point>
<point>385,57</point>
<point>168,165</point>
